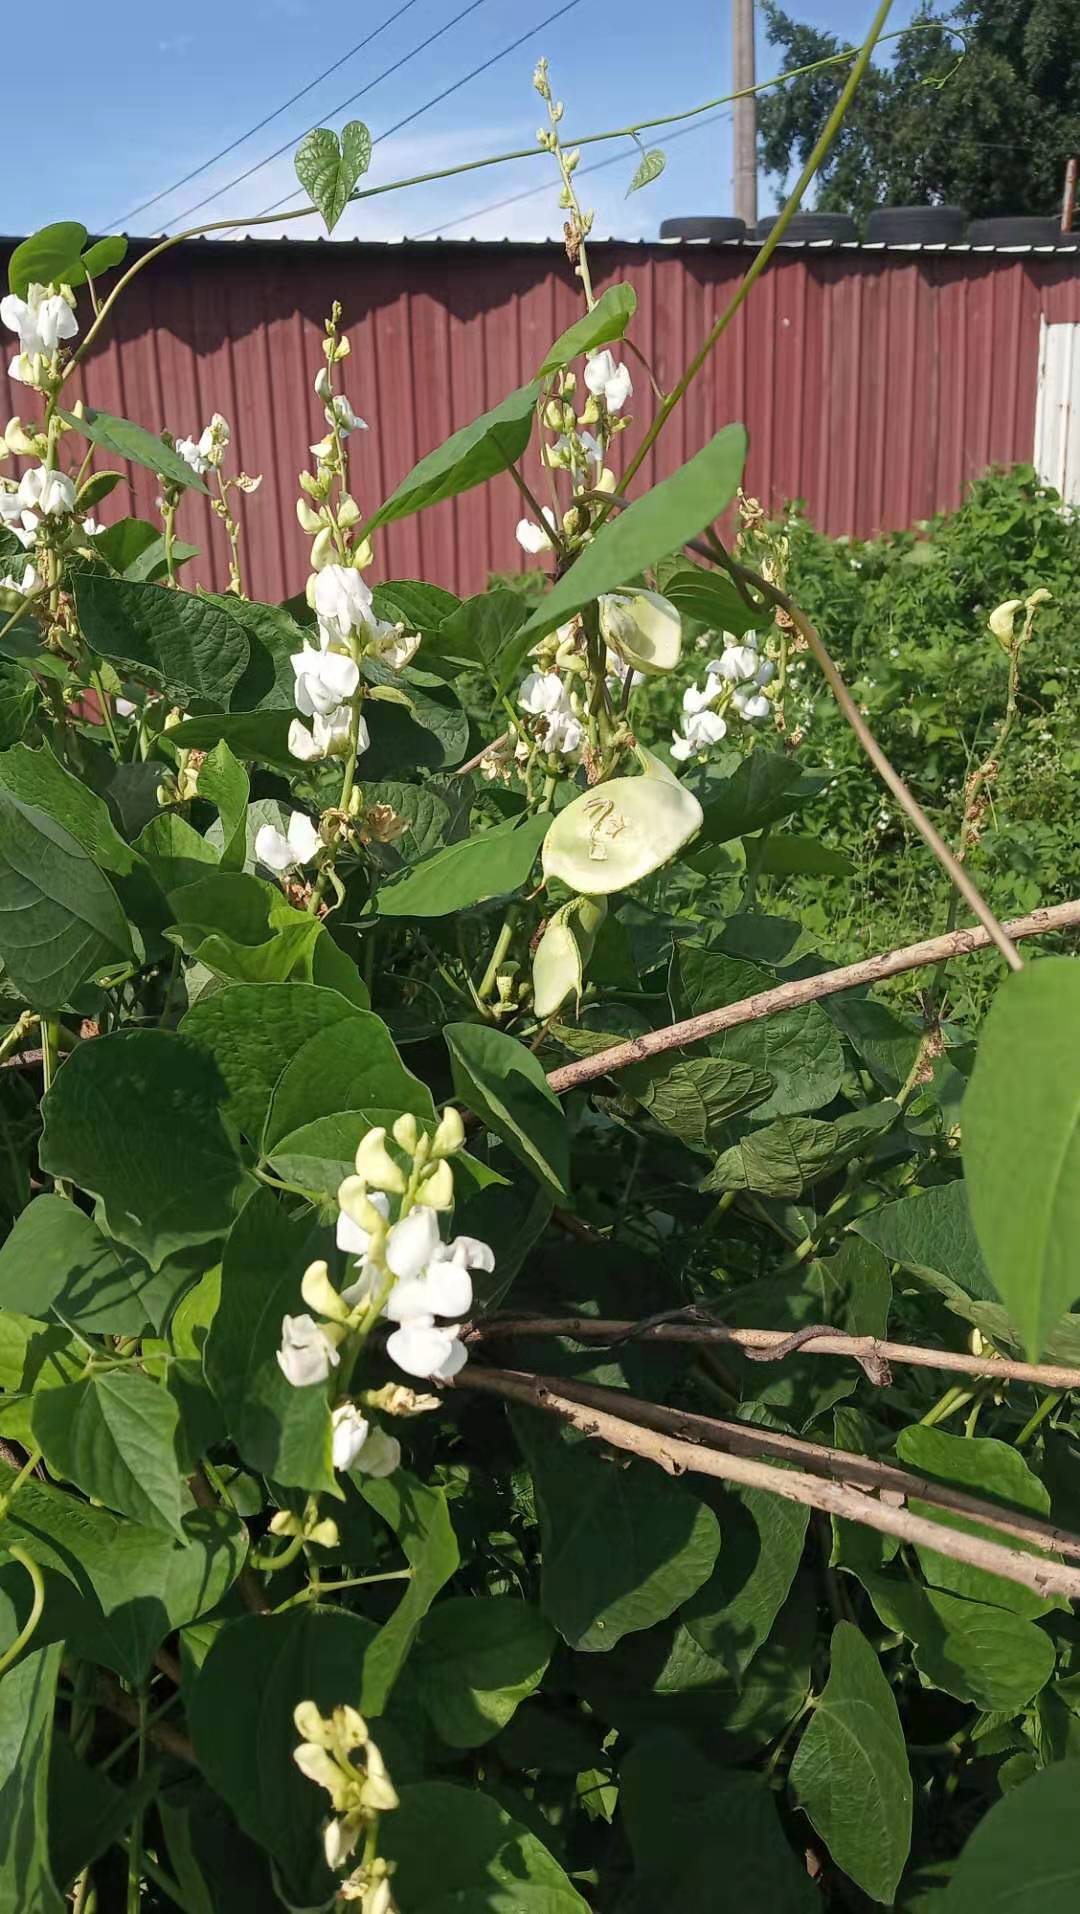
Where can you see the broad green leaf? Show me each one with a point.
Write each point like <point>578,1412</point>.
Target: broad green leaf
<point>244,930</point>
<point>431,735</point>
<point>175,851</point>
<point>849,1290</point>
<point>793,1153</point>
<point>622,1547</point>
<point>98,258</point>
<point>328,168</point>
<point>281,1431</point>
<point>931,1234</point>
<point>798,1049</point>
<point>133,442</point>
<point>987,1468</point>
<point>693,1825</point>
<point>988,1656</point>
<point>488,865</point>
<point>710,598</point>
<point>414,603</point>
<point>114,1588</point>
<point>1021,1140</point>
<point>171,1175</point>
<point>793,856</point>
<point>476,1659</point>
<point>695,1098</point>
<point>766,785</point>
<point>887,1043</point>
<point>263,735</point>
<point>421,1521</point>
<point>502,1082</point>
<point>217,1869</point>
<point>850,1773</point>
<point>456,1849</point>
<point>33,1356</point>
<point>38,778</point>
<point>343,1066</point>
<point>485,631</point>
<point>27,1702</point>
<point>136,549</point>
<point>18,696</point>
<point>489,445</point>
<point>60,921</point>
<point>196,647</point>
<point>87,1813</point>
<point>608,320</point>
<point>654,525</point>
<point>1024,1855</point>
<point>224,783</point>
<point>43,259</point>
<point>649,167</point>
<point>733,1612</point>
<point>240,1713</point>
<point>114,1436</point>
<point>57,1254</point>
<point>426,812</point>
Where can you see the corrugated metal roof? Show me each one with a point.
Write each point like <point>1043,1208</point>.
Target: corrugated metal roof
<point>256,242</point>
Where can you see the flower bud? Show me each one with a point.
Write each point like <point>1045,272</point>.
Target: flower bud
<point>348,511</point>
<point>376,1165</point>
<point>1001,620</point>
<point>406,1133</point>
<point>450,1134</point>
<point>1039,597</point>
<point>309,521</point>
<point>283,1522</point>
<point>320,1295</point>
<point>437,1189</point>
<point>555,415</point>
<point>325,1534</point>
<point>322,384</point>
<point>357,1205</point>
<point>322,550</point>
<point>590,412</point>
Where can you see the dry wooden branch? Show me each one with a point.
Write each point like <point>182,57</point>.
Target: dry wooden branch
<point>862,1472</point>
<point>805,990</point>
<point>679,1457</point>
<point>472,763</point>
<point>1041,1375</point>
<point>125,1707</point>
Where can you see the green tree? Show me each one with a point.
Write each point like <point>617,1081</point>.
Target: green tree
<point>991,133</point>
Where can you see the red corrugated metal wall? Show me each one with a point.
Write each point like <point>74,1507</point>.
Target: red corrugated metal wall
<point>874,385</point>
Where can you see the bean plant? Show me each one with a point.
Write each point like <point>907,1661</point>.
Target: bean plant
<point>522,1386</point>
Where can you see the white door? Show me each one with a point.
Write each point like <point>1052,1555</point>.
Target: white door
<point>1057,409</point>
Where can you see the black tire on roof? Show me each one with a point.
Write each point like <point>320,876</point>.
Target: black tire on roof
<point>1019,229</point>
<point>703,227</point>
<point>804,226</point>
<point>916,225</point>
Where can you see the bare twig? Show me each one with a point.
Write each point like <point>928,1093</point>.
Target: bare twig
<point>805,990</point>
<point>679,1457</point>
<point>471,764</point>
<point>834,1342</point>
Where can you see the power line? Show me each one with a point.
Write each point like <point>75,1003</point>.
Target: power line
<point>275,115</point>
<point>533,192</point>
<point>493,60</point>
<point>288,145</point>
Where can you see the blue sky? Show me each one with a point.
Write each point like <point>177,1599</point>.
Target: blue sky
<point>149,94</point>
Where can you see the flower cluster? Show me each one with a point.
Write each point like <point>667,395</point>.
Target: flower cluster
<point>207,451</point>
<point>403,1270</point>
<point>734,681</point>
<point>337,1753</point>
<point>43,320</point>
<point>546,696</point>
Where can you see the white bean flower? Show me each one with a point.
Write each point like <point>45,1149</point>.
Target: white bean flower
<point>359,1444</point>
<point>696,699</point>
<point>424,1348</point>
<point>355,1240</point>
<point>738,664</point>
<point>608,380</point>
<point>299,845</point>
<point>544,695</point>
<point>345,418</point>
<point>342,602</point>
<point>324,679</point>
<point>42,320</point>
<point>307,1353</point>
<point>701,729</point>
<point>329,737</point>
<point>751,705</point>
<point>214,439</point>
<point>534,538</point>
<point>50,493</point>
<point>26,586</point>
<point>191,455</point>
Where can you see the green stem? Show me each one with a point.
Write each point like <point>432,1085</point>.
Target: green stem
<point>25,1633</point>
<point>757,267</point>
<point>160,1879</point>
<point>946,1406</point>
<point>27,1469</point>
<point>754,864</point>
<point>1046,1407</point>
<point>23,605</point>
<point>537,510</point>
<point>502,945</point>
<point>315,1592</point>
<point>106,713</point>
<point>269,1564</point>
<point>134,1846</point>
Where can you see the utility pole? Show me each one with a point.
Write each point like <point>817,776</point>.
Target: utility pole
<point>745,111</point>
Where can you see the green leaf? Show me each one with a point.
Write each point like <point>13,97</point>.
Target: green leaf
<point>649,167</point>
<point>988,1468</point>
<point>849,1290</point>
<point>488,865</point>
<point>37,778</point>
<point>501,1080</point>
<point>850,1773</point>
<point>654,525</point>
<point>87,1813</point>
<point>1021,1136</point>
<point>732,1613</point>
<point>126,440</point>
<point>193,647</point>
<point>175,851</point>
<point>608,320</point>
<point>1024,1856</point>
<point>170,1175</point>
<point>414,603</point>
<point>710,598</point>
<point>693,1825</point>
<point>328,169</point>
<point>455,1848</point>
<point>988,1656</point>
<point>240,1712</point>
<point>427,813</point>
<point>476,1659</point>
<point>486,631</point>
<point>98,258</point>
<point>767,785</point>
<point>56,1254</point>
<point>694,1099</point>
<point>421,1521</point>
<point>224,783</point>
<point>794,856</point>
<point>44,258</point>
<point>931,1234</point>
<point>136,549</point>
<point>27,1701</point>
<point>282,1431</point>
<point>430,735</point>
<point>793,1153</point>
<point>114,1436</point>
<point>18,696</point>
<point>622,1547</point>
<point>60,921</point>
<point>798,1049</point>
<point>489,445</point>
<point>114,1588</point>
<point>344,1066</point>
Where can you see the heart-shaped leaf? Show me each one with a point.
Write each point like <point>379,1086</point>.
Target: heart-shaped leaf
<point>328,168</point>
<point>44,258</point>
<point>652,165</point>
